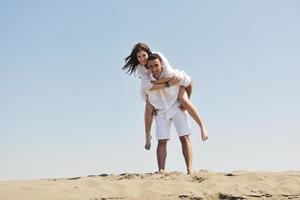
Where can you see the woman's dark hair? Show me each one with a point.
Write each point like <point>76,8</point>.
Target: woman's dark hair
<point>131,60</point>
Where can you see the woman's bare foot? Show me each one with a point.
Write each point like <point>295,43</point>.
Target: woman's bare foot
<point>148,143</point>
<point>204,134</point>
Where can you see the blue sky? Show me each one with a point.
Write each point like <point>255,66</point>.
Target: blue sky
<point>66,108</point>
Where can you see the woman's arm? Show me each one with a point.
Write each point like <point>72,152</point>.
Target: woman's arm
<point>158,86</point>
<point>162,80</point>
<point>170,83</point>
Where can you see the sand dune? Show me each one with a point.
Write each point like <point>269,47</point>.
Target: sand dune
<point>173,185</point>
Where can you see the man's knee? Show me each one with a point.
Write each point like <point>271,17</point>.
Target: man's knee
<point>162,142</point>
<point>184,139</point>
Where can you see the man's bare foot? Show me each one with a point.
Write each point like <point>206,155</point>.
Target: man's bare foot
<point>190,171</point>
<point>204,134</point>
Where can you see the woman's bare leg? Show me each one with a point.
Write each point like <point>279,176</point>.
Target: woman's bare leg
<point>187,153</point>
<point>148,123</point>
<point>192,110</point>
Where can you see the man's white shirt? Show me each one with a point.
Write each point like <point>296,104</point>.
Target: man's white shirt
<point>166,100</point>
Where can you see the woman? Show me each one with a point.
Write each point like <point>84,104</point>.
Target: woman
<point>137,61</point>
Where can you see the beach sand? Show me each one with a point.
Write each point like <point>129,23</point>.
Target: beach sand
<point>172,185</point>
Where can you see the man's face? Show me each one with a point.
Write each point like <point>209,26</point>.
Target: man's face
<point>155,67</point>
<point>142,57</point>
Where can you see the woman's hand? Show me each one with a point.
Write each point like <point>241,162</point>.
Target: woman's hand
<point>174,81</point>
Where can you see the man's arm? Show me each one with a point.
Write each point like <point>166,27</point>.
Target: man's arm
<point>189,89</point>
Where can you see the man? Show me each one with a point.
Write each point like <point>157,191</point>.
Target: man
<point>166,103</point>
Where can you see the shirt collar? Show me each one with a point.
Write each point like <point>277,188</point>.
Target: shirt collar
<point>154,79</point>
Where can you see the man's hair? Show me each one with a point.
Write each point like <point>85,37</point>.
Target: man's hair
<point>154,56</point>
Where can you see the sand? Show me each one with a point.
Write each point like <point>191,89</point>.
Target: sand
<point>172,185</point>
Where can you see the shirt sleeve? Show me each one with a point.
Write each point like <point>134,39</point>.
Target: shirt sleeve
<point>167,69</point>
<point>185,79</point>
<point>165,62</point>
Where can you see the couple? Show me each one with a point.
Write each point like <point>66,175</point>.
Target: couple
<point>166,92</point>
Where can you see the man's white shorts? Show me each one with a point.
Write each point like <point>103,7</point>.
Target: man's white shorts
<point>163,125</point>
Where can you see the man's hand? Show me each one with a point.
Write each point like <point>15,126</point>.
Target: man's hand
<point>154,112</point>
<point>148,143</point>
<point>182,108</point>
<point>189,89</point>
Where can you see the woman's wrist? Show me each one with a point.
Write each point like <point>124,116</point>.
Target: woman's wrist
<point>167,84</point>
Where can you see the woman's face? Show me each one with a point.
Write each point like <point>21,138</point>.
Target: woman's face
<point>142,57</point>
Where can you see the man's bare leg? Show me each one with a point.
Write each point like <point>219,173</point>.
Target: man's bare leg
<point>161,153</point>
<point>192,110</point>
<point>148,123</point>
<point>187,153</point>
